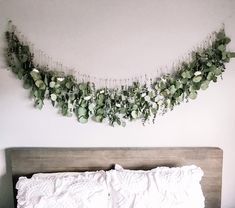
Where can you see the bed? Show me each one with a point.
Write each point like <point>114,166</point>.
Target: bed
<point>27,161</point>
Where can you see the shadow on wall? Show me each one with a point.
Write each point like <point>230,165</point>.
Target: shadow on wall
<point>6,187</point>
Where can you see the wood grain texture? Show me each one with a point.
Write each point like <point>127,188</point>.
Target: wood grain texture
<point>27,161</point>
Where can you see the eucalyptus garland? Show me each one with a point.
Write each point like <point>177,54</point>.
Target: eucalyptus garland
<point>117,105</point>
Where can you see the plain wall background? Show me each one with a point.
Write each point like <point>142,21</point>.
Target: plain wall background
<point>110,38</point>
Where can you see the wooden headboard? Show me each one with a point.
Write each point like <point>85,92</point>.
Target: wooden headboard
<point>27,161</point>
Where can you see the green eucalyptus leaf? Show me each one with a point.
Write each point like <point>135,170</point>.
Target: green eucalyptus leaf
<point>20,73</point>
<point>25,49</point>
<point>221,47</point>
<point>180,98</point>
<point>40,84</point>
<point>212,68</point>
<point>82,86</point>
<point>172,89</point>
<point>118,121</point>
<point>91,107</point>
<point>35,93</point>
<point>147,98</point>
<point>156,87</point>
<point>168,103</point>
<point>162,85</point>
<point>225,55</point>
<point>143,94</point>
<point>69,85</point>
<point>232,54</point>
<point>87,97</point>
<point>58,91</point>
<point>205,85</point>
<point>59,79</point>
<point>178,85</point>
<point>227,40</point>
<point>23,58</point>
<point>15,69</point>
<point>64,110</point>
<point>152,94</point>
<point>82,111</point>
<point>134,114</point>
<point>197,79</point>
<point>134,107</point>
<point>186,74</point>
<point>46,80</point>
<point>210,76</point>
<point>27,84</point>
<point>193,95</point>
<point>53,97</point>
<point>35,75</point>
<point>118,105</point>
<point>70,105</point>
<point>100,111</point>
<point>218,71</point>
<point>52,84</point>
<point>57,85</point>
<point>196,86</point>
<point>83,104</point>
<point>214,79</point>
<point>154,110</point>
<point>72,96</point>
<point>122,110</point>
<point>123,124</point>
<point>197,73</point>
<point>99,118</point>
<point>83,119</point>
<point>166,92</point>
<point>101,97</point>
<point>38,104</point>
<point>220,35</point>
<point>155,106</point>
<point>100,102</point>
<point>184,81</point>
<point>123,97</point>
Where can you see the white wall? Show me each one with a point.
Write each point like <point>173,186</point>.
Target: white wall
<point>117,39</point>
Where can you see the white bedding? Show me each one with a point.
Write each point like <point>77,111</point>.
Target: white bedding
<point>120,188</point>
<point>161,187</point>
<point>63,190</point>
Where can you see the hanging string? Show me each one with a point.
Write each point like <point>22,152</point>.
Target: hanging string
<point>46,62</point>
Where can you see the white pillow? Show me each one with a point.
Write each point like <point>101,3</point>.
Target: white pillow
<point>63,190</point>
<point>160,187</point>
